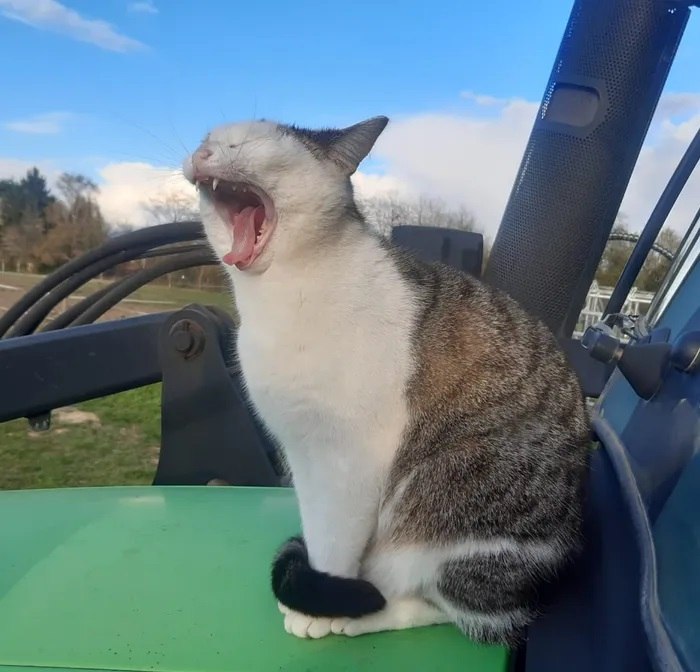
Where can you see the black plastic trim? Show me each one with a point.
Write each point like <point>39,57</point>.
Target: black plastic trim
<point>660,646</point>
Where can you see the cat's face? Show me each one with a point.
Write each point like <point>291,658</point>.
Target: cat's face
<point>267,189</point>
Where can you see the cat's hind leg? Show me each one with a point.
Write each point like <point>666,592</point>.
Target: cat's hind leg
<point>490,597</point>
<point>399,614</point>
<point>404,575</point>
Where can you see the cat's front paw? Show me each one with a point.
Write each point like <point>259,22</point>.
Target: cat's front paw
<point>301,625</point>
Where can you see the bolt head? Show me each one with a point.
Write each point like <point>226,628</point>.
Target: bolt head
<point>182,340</point>
<point>187,338</point>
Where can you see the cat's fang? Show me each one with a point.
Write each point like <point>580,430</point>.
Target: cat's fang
<point>215,183</point>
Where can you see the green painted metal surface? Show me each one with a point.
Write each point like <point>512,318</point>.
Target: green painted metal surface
<point>175,579</point>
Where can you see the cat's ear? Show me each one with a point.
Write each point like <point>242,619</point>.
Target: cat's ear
<point>355,142</point>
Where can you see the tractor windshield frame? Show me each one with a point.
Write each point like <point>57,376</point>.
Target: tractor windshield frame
<point>681,269</point>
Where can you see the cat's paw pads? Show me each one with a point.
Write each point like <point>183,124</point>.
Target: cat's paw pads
<point>303,626</point>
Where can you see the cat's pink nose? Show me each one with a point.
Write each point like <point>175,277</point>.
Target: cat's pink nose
<point>194,164</point>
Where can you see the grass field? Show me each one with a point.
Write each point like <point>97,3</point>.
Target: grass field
<point>116,440</point>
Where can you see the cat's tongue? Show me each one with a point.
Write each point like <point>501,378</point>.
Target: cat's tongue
<point>244,224</point>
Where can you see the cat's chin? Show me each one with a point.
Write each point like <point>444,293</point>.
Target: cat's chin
<point>248,214</point>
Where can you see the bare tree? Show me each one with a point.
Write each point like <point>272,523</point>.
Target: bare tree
<point>175,207</point>
<point>73,230</point>
<point>20,242</point>
<point>74,224</point>
<point>171,208</point>
<point>386,212</point>
<point>74,186</point>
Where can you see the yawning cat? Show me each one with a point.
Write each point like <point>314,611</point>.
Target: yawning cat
<point>435,435</point>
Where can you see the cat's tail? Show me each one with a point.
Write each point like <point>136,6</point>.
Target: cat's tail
<point>301,588</point>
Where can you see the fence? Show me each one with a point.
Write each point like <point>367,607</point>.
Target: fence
<point>637,303</point>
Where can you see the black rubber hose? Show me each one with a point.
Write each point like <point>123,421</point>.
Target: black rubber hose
<point>77,309</point>
<point>143,238</point>
<point>658,217</point>
<point>174,249</point>
<point>33,317</point>
<point>141,278</point>
<point>71,314</point>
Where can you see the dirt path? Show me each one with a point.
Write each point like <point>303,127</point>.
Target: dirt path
<point>10,294</point>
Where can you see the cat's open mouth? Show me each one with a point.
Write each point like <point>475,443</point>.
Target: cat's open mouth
<point>250,214</point>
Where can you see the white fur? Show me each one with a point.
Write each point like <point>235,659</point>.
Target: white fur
<point>313,375</point>
<point>399,614</point>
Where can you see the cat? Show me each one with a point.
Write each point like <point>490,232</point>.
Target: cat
<point>436,436</point>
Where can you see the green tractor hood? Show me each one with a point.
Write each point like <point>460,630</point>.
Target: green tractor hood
<point>176,579</point>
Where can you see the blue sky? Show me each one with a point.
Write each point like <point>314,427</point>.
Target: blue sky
<point>87,83</point>
<point>309,62</point>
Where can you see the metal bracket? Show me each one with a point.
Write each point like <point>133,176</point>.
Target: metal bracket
<point>643,364</point>
<point>209,433</point>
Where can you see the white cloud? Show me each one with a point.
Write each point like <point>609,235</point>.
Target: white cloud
<point>369,185</point>
<point>482,99</point>
<point>471,159</point>
<point>673,104</point>
<point>49,123</point>
<point>53,16</point>
<point>126,189</point>
<point>656,164</point>
<point>462,159</point>
<point>142,8</point>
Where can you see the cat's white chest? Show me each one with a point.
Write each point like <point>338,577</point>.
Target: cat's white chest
<point>295,365</point>
<point>326,363</point>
